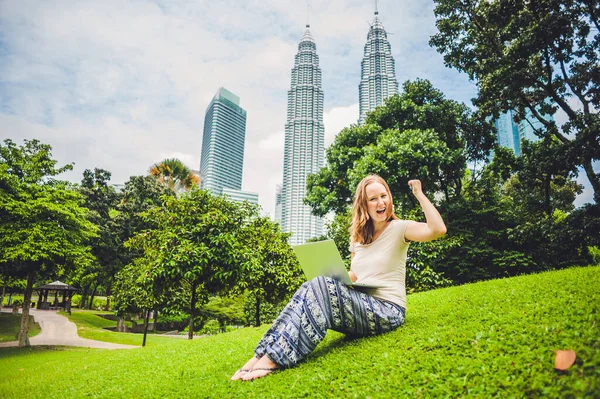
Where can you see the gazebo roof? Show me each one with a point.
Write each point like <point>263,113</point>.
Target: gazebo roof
<point>57,285</point>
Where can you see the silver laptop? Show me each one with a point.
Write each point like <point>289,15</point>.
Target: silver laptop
<point>322,258</point>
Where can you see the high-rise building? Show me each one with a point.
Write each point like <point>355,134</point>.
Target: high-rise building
<point>378,73</point>
<point>240,196</point>
<point>304,142</point>
<point>511,134</point>
<point>531,124</point>
<point>222,157</point>
<point>278,189</point>
<point>507,132</point>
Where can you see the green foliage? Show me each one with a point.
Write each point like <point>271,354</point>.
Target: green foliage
<point>275,272</point>
<point>424,259</point>
<point>97,304</point>
<point>268,311</point>
<point>198,245</point>
<point>43,226</point>
<point>211,327</point>
<point>490,339</point>
<point>101,200</point>
<point>44,230</point>
<point>225,311</point>
<point>174,175</point>
<point>534,57</point>
<point>418,134</point>
<point>595,254</point>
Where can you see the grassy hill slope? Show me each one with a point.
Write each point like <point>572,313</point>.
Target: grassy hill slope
<point>494,338</point>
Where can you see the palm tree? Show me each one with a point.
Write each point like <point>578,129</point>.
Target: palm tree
<point>173,174</point>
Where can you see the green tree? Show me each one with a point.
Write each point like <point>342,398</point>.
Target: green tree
<point>101,199</point>
<point>534,57</point>
<point>173,174</point>
<point>418,134</point>
<point>275,270</point>
<point>44,230</point>
<point>194,244</point>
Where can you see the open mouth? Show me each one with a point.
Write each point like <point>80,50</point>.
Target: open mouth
<point>380,211</point>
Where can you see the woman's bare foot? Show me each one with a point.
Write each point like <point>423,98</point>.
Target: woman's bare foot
<point>246,368</point>
<point>262,368</point>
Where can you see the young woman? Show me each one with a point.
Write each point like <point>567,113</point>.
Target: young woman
<point>378,246</point>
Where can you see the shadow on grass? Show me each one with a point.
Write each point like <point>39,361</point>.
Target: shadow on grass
<point>14,352</point>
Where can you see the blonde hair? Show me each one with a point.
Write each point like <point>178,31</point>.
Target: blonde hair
<point>361,229</point>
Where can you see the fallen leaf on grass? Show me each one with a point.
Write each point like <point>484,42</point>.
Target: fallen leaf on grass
<point>564,359</point>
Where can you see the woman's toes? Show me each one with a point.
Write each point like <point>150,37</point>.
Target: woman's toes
<point>258,372</point>
<point>239,374</point>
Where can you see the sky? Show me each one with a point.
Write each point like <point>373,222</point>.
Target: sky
<point>122,85</point>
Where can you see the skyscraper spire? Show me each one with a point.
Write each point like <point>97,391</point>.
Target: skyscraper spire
<point>304,142</point>
<point>378,73</point>
<point>307,14</point>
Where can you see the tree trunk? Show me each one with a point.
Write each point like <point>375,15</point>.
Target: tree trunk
<point>192,312</point>
<point>146,316</point>
<point>547,205</point>
<point>121,324</point>
<point>257,312</point>
<point>91,302</point>
<point>108,292</point>
<point>23,331</point>
<point>593,178</point>
<point>3,291</point>
<point>155,320</point>
<point>84,296</point>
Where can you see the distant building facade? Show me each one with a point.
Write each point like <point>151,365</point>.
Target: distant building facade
<point>304,142</point>
<point>278,196</point>
<point>223,140</point>
<point>507,132</point>
<point>378,72</point>
<point>240,196</point>
<point>511,134</point>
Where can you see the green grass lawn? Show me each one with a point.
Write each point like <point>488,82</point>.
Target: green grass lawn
<point>92,326</point>
<point>490,339</point>
<point>10,324</point>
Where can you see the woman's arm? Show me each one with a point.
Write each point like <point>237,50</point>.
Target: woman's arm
<point>435,226</point>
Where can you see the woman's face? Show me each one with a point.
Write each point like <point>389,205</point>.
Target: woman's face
<point>378,202</point>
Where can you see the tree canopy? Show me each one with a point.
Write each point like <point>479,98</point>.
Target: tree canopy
<point>417,134</point>
<point>174,175</point>
<point>44,227</point>
<point>534,57</point>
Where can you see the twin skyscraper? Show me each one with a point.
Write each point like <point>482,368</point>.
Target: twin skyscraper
<point>304,129</point>
<point>304,152</point>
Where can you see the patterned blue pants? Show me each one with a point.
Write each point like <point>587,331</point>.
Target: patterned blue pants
<point>319,305</point>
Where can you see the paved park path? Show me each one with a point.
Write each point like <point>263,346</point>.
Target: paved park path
<point>57,330</point>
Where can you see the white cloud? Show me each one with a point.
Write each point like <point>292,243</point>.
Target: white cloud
<point>122,85</point>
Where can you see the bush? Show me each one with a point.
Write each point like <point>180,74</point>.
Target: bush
<point>211,327</point>
<point>595,254</point>
<point>98,304</point>
<point>169,322</point>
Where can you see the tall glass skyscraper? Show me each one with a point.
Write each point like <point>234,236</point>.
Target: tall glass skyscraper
<point>222,157</point>
<point>530,124</point>
<point>507,132</point>
<point>511,134</point>
<point>304,142</point>
<point>378,73</point>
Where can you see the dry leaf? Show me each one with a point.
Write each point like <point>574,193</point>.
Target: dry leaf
<point>564,359</point>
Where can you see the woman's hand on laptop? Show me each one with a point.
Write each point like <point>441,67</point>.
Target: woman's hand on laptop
<point>352,276</point>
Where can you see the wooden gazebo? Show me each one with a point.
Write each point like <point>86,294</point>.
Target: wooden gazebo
<point>55,287</point>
